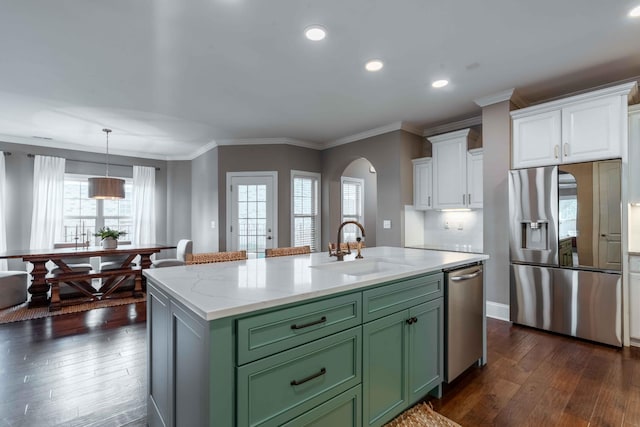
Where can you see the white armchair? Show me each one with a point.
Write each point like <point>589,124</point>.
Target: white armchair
<point>183,251</point>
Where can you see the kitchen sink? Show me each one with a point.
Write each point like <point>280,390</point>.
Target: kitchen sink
<point>362,267</point>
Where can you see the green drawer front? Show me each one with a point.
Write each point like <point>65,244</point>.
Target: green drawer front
<point>322,369</point>
<point>398,296</point>
<point>341,411</point>
<point>266,334</point>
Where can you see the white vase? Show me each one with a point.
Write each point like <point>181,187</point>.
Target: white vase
<point>109,243</point>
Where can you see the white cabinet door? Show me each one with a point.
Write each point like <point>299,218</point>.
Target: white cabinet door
<point>634,306</point>
<point>474,178</point>
<point>591,130</point>
<point>634,154</point>
<point>450,173</point>
<point>536,140</point>
<point>422,188</point>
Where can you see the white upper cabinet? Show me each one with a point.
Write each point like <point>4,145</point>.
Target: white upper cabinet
<point>450,169</point>
<point>634,154</point>
<point>474,178</point>
<point>422,183</point>
<point>581,128</point>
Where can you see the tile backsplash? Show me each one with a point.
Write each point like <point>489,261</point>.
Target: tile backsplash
<point>453,228</point>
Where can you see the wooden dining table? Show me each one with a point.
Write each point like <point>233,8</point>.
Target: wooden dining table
<point>41,278</point>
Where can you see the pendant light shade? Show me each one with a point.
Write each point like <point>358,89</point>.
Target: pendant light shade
<point>106,187</point>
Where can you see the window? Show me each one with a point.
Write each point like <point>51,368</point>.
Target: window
<point>305,209</point>
<point>82,214</point>
<point>352,206</point>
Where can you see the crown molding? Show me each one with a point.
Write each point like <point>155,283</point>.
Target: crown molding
<point>64,145</point>
<point>373,132</point>
<point>453,126</point>
<point>270,141</point>
<point>506,95</point>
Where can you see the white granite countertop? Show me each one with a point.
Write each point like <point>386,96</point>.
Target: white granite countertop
<point>454,247</point>
<point>214,291</point>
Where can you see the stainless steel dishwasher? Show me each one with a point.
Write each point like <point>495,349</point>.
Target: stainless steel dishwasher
<point>464,325</point>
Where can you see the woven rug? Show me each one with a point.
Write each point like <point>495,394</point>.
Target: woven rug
<point>22,312</point>
<point>421,415</point>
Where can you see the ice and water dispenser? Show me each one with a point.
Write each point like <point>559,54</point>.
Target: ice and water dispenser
<point>535,235</point>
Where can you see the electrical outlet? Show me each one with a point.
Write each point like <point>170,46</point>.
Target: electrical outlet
<point>446,225</point>
<point>386,223</point>
<point>213,224</point>
<point>460,226</point>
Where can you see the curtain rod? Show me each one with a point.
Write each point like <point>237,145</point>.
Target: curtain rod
<point>92,161</point>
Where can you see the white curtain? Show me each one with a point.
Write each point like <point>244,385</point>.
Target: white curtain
<point>48,197</point>
<point>144,207</point>
<point>3,201</point>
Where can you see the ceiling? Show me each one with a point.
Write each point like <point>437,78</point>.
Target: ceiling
<point>173,78</point>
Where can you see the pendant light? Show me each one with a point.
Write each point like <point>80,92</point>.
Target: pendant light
<point>105,187</point>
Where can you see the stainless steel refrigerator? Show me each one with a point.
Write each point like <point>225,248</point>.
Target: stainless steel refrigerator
<point>565,247</point>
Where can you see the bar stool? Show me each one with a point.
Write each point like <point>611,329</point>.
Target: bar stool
<point>13,288</point>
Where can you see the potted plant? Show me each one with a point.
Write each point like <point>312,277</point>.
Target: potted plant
<point>109,237</point>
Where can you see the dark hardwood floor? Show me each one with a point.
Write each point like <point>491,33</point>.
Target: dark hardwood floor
<point>536,378</point>
<point>88,369</point>
<point>85,369</point>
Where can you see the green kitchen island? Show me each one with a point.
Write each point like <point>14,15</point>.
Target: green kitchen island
<point>298,340</point>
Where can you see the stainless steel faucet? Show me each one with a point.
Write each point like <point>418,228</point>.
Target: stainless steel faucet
<point>338,253</point>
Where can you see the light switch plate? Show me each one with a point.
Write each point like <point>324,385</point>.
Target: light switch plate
<point>213,224</point>
<point>386,223</point>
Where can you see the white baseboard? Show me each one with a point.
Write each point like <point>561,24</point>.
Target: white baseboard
<point>498,311</point>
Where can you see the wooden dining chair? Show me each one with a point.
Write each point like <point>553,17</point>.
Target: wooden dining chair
<point>210,257</point>
<point>293,250</point>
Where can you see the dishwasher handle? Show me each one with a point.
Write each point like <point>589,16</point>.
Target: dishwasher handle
<point>465,276</point>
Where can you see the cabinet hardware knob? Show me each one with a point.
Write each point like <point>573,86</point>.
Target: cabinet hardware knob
<point>566,150</point>
<point>306,325</point>
<point>415,319</point>
<point>310,377</point>
<point>409,321</point>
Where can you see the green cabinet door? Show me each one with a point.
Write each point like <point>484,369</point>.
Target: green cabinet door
<point>341,411</point>
<point>426,349</point>
<point>384,367</point>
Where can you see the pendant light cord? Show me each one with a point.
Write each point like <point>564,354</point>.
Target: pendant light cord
<point>107,131</point>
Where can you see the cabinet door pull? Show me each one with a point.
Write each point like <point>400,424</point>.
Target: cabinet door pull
<point>555,150</point>
<point>566,150</point>
<point>415,319</point>
<point>306,325</point>
<point>463,199</point>
<point>428,200</point>
<point>408,321</point>
<point>469,199</point>
<point>310,377</point>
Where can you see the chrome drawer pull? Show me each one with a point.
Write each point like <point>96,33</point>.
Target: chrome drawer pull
<point>310,377</point>
<point>306,325</point>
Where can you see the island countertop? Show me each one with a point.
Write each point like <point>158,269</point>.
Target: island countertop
<point>214,291</point>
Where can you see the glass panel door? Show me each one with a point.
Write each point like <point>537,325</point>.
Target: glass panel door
<point>252,213</point>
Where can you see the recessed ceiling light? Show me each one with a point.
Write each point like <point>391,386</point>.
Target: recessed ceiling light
<point>635,12</point>
<point>440,83</point>
<point>315,32</point>
<point>374,65</point>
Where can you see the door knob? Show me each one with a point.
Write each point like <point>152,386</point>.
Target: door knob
<point>268,237</point>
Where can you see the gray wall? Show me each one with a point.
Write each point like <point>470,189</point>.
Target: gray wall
<point>205,202</point>
<point>281,158</point>
<point>360,169</point>
<point>496,136</point>
<point>390,154</point>
<point>178,201</point>
<point>20,186</point>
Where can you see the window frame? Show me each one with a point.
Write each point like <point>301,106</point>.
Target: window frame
<point>100,216</point>
<point>317,177</point>
<point>359,218</point>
